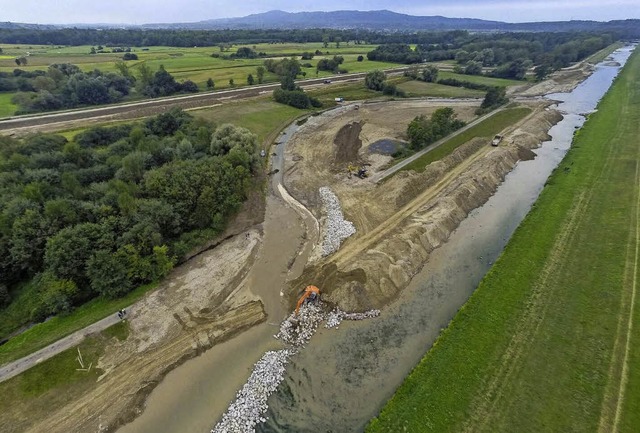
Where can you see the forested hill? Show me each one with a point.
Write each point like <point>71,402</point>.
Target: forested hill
<point>391,21</point>
<point>382,20</point>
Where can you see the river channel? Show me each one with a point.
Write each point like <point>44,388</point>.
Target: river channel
<point>344,376</point>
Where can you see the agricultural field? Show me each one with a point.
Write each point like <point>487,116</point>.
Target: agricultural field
<point>194,64</point>
<point>550,339</point>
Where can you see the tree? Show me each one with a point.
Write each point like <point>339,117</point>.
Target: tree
<point>306,56</point>
<point>5,297</point>
<point>122,68</point>
<point>325,41</point>
<point>210,84</point>
<point>337,40</point>
<point>109,273</point>
<point>360,58</point>
<point>495,97</point>
<point>542,71</point>
<point>231,84</point>
<point>473,68</point>
<point>250,80</point>
<point>260,70</point>
<point>130,56</point>
<point>93,50</point>
<point>430,74</point>
<point>374,80</point>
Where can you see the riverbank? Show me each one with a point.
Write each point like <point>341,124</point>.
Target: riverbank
<point>546,340</point>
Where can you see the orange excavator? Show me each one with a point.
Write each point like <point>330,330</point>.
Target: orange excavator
<point>311,294</point>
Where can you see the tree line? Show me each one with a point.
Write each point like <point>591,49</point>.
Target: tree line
<point>66,86</point>
<point>507,55</point>
<point>113,208</point>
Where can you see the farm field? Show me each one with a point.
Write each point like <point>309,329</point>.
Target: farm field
<point>549,341</point>
<point>195,63</point>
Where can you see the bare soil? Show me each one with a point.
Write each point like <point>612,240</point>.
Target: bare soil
<point>201,304</point>
<point>402,220</point>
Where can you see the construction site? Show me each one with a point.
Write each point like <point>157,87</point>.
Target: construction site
<point>336,218</point>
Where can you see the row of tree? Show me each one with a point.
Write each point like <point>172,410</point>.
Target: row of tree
<point>66,86</point>
<point>115,207</point>
<point>508,55</point>
<point>423,131</point>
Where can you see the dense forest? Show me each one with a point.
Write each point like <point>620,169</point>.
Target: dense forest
<point>114,208</point>
<point>437,40</point>
<point>509,55</point>
<point>66,86</point>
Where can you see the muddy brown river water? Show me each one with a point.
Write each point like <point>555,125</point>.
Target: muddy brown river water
<point>344,376</point>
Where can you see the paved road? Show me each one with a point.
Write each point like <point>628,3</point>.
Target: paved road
<point>14,368</point>
<point>156,106</point>
<point>378,177</point>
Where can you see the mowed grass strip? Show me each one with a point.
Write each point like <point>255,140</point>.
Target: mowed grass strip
<point>487,128</point>
<point>534,349</point>
<point>58,381</point>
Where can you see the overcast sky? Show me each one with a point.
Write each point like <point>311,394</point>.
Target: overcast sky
<point>155,11</point>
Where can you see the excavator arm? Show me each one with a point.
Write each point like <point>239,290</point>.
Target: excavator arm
<point>308,291</point>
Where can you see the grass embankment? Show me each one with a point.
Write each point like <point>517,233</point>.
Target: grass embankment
<point>541,344</point>
<point>487,128</point>
<point>479,79</point>
<point>43,334</point>
<point>53,383</point>
<point>420,88</point>
<point>604,53</point>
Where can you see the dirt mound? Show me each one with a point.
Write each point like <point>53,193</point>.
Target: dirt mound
<point>347,143</point>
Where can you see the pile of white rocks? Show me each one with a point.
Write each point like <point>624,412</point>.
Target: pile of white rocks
<point>337,228</point>
<point>251,401</point>
<point>335,317</point>
<point>296,330</point>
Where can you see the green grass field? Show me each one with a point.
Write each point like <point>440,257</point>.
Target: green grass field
<point>45,333</point>
<point>420,88</point>
<point>550,340</point>
<point>487,128</point>
<point>53,383</point>
<point>478,79</point>
<point>6,107</point>
<point>261,116</point>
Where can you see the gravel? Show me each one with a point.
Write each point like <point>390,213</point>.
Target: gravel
<point>337,228</point>
<point>336,317</point>
<point>296,330</point>
<point>251,401</point>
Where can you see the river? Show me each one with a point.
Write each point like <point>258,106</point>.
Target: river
<point>344,376</point>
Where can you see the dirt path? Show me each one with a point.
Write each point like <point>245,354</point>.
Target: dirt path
<point>12,369</point>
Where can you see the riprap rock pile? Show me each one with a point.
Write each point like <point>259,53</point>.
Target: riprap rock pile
<point>251,401</point>
<point>337,228</point>
<point>335,317</point>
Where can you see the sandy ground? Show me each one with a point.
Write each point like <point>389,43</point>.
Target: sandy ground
<point>400,221</point>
